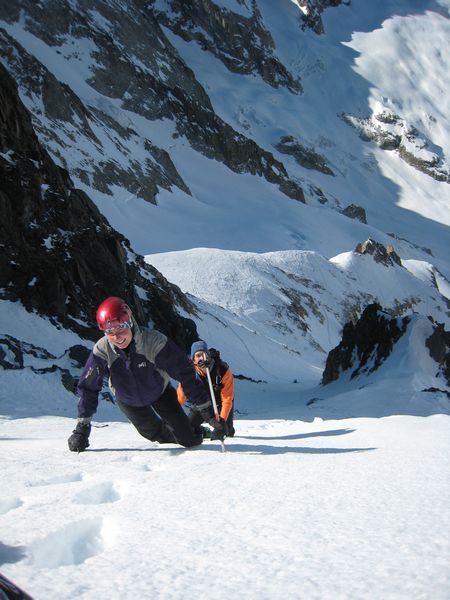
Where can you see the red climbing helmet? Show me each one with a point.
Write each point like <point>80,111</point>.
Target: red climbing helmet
<point>113,312</point>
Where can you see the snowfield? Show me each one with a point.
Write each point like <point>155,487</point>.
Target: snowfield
<point>298,506</point>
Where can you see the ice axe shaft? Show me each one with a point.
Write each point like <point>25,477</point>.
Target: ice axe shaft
<point>214,403</point>
<point>213,398</point>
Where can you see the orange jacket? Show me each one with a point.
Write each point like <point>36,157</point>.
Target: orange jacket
<point>226,395</point>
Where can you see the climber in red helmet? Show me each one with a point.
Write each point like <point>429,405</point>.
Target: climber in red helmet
<point>140,363</point>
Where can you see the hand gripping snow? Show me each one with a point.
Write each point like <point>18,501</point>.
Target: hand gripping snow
<point>213,400</point>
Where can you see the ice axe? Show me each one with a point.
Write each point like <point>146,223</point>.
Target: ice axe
<point>213,398</point>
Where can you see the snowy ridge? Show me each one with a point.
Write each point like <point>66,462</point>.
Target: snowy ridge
<point>293,302</point>
<point>407,382</point>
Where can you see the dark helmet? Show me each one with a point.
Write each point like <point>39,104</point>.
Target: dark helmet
<point>198,346</point>
<point>112,312</point>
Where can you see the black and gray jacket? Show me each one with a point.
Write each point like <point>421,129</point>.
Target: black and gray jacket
<point>139,375</point>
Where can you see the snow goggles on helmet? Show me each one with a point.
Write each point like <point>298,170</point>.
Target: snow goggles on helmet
<point>118,328</point>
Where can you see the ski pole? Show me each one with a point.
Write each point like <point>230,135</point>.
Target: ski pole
<point>214,403</point>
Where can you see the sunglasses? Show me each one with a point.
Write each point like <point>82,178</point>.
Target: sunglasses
<point>119,328</point>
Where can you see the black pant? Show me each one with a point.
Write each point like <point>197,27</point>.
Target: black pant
<point>196,419</point>
<point>164,421</point>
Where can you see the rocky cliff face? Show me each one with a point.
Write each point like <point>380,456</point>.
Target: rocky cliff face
<point>59,255</point>
<point>381,254</point>
<point>391,132</point>
<point>313,9</point>
<point>365,344</point>
<point>369,341</point>
<point>438,345</point>
<point>213,27</point>
<point>123,54</point>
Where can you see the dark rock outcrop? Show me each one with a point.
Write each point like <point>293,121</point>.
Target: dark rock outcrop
<point>16,354</point>
<point>390,132</point>
<point>439,346</point>
<point>59,256</point>
<point>313,10</point>
<point>305,157</point>
<point>365,344</point>
<point>354,211</point>
<point>381,254</point>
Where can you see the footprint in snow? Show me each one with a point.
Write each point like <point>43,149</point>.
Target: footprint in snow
<point>73,544</point>
<point>145,467</point>
<point>141,464</point>
<point>7,504</point>
<point>58,479</point>
<point>11,554</point>
<point>102,493</point>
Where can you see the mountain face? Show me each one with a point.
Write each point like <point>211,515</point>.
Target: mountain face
<point>390,132</point>
<point>103,78</point>
<point>129,59</point>
<point>151,126</point>
<point>313,10</point>
<point>127,63</point>
<point>299,304</point>
<point>59,256</point>
<point>373,343</point>
<point>365,344</point>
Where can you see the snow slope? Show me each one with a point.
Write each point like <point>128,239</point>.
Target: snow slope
<point>299,506</point>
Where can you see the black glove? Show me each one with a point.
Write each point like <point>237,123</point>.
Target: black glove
<point>220,429</point>
<point>205,363</point>
<point>79,440</point>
